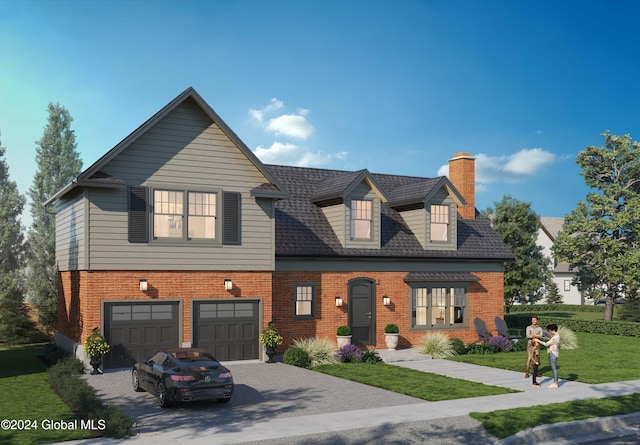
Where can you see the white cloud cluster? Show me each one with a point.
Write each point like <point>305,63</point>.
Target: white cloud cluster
<point>294,126</point>
<point>291,154</point>
<point>510,168</point>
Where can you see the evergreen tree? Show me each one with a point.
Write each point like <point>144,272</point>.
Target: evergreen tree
<point>600,237</point>
<point>15,325</point>
<point>553,293</point>
<point>58,163</point>
<point>518,225</point>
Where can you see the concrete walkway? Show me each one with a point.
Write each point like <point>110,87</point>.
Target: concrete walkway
<point>281,404</point>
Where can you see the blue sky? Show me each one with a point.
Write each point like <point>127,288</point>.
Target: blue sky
<point>394,87</point>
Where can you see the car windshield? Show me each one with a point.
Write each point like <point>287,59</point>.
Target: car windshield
<point>195,356</point>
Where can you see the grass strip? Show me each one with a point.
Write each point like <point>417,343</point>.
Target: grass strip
<point>504,423</point>
<point>422,385</point>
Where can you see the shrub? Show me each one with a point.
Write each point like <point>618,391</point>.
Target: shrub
<point>344,331</point>
<point>480,348</point>
<point>52,354</point>
<point>630,311</point>
<point>81,397</point>
<point>296,357</point>
<point>521,344</point>
<point>501,344</point>
<point>96,344</point>
<point>391,329</point>
<point>568,339</point>
<point>349,354</point>
<point>437,345</point>
<point>319,350</point>
<point>270,337</point>
<point>371,357</point>
<point>458,346</point>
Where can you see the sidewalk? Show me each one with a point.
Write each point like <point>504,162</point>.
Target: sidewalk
<point>309,403</point>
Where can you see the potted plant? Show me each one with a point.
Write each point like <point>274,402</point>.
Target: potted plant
<point>344,336</point>
<point>391,334</point>
<point>270,338</point>
<point>95,347</point>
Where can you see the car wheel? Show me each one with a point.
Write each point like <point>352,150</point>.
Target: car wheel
<point>135,381</point>
<point>224,400</point>
<point>163,401</point>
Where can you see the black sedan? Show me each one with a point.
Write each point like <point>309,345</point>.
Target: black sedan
<point>183,375</point>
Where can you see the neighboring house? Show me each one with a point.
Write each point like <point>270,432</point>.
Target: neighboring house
<point>180,236</point>
<point>562,274</point>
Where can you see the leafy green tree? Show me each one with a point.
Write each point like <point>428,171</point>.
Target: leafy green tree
<point>58,163</point>
<point>517,224</point>
<point>15,324</point>
<point>600,237</point>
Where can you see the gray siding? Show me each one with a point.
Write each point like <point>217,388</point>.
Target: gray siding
<point>417,222</point>
<point>70,232</point>
<point>335,214</point>
<point>185,150</point>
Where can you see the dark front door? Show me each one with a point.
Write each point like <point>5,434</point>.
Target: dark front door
<point>361,312</point>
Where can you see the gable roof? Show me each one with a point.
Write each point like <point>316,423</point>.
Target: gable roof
<point>302,229</point>
<point>93,176</point>
<point>342,185</point>
<point>551,226</point>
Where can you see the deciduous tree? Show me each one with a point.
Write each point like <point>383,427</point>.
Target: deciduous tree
<point>517,224</point>
<point>58,163</point>
<point>600,236</point>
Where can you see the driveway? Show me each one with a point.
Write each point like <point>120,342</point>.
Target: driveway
<point>263,392</point>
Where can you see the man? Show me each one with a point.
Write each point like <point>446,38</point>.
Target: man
<point>533,331</point>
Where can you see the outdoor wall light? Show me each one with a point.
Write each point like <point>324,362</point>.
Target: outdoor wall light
<point>143,285</point>
<point>228,284</point>
<point>386,300</point>
<point>338,301</point>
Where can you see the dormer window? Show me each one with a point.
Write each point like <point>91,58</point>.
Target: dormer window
<point>360,219</point>
<point>439,223</point>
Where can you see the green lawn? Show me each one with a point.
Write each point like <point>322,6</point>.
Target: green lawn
<point>599,359</point>
<point>26,395</point>
<point>423,385</point>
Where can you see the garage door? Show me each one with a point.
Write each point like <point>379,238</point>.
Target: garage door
<point>137,330</point>
<point>228,329</point>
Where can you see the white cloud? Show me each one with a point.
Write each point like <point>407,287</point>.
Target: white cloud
<point>258,115</point>
<point>291,154</point>
<point>291,125</point>
<point>513,168</point>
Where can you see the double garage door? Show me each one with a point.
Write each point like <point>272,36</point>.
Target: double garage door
<point>229,329</point>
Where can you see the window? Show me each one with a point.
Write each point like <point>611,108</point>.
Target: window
<point>439,223</point>
<point>185,216</point>
<point>304,300</point>
<point>169,214</point>
<point>438,306</point>
<point>360,219</point>
<point>202,215</point>
<point>567,285</point>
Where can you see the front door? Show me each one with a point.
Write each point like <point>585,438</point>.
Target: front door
<point>361,311</point>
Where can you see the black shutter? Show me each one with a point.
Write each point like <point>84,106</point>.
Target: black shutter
<point>231,208</point>
<point>138,217</point>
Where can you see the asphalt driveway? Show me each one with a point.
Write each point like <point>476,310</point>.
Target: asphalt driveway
<point>263,391</point>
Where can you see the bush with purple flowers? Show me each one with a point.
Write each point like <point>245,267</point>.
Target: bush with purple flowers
<point>501,343</point>
<point>349,354</point>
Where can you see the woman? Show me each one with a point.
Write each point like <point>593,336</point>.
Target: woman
<point>554,351</point>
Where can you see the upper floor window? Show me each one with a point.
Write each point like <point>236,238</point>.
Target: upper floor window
<point>438,306</point>
<point>361,219</point>
<point>169,215</point>
<point>439,223</point>
<point>304,300</point>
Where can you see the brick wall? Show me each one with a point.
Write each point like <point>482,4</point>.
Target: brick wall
<point>486,302</point>
<point>80,294</point>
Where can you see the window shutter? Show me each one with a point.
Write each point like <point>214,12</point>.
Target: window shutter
<point>231,207</point>
<point>138,217</point>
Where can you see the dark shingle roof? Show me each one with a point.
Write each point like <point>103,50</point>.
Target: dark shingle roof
<point>302,229</point>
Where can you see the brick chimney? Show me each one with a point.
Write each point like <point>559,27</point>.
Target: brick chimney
<point>462,175</point>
